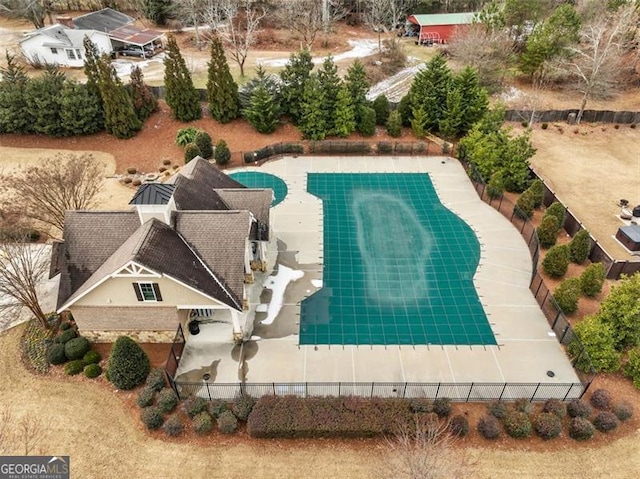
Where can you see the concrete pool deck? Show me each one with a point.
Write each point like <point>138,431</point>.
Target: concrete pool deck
<point>526,348</point>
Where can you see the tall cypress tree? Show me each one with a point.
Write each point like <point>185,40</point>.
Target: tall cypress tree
<point>450,126</point>
<point>222,91</point>
<point>474,99</point>
<point>294,76</point>
<point>14,117</point>
<point>330,85</point>
<point>91,71</point>
<point>180,94</point>
<point>358,86</point>
<point>429,90</point>
<point>144,103</point>
<point>313,122</point>
<point>344,118</point>
<point>120,117</point>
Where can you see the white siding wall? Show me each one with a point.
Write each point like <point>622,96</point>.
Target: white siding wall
<point>33,48</point>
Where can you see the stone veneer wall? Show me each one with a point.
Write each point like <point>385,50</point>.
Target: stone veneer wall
<point>138,336</point>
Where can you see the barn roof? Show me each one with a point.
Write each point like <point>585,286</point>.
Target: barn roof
<point>135,35</point>
<point>442,19</point>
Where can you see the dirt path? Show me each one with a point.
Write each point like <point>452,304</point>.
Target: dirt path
<point>88,422</point>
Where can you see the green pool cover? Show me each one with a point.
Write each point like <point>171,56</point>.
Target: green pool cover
<point>398,266</point>
<point>257,179</point>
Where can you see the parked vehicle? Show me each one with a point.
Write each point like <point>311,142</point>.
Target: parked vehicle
<point>135,51</point>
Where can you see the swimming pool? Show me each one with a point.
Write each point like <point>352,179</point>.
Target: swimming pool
<point>257,179</point>
<point>398,266</point>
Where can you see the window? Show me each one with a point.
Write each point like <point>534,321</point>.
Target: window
<point>70,54</point>
<point>147,291</point>
<point>79,54</point>
<point>54,51</point>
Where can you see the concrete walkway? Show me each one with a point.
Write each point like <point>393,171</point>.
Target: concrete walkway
<point>527,348</point>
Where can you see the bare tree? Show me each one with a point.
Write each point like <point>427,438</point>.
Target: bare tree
<point>426,450</point>
<point>307,18</point>
<point>237,22</point>
<point>32,10</point>
<point>30,433</point>
<point>65,182</point>
<point>23,268</point>
<point>598,59</point>
<point>191,12</point>
<point>6,430</point>
<point>384,15</point>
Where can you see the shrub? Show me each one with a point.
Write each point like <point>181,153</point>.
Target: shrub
<point>217,407</point>
<point>567,295</point>
<point>194,406</point>
<point>548,231</point>
<point>394,124</point>
<point>592,279</point>
<point>498,409</point>
<point>131,170</point>
<point>597,338</point>
<point>146,397</point>
<point>605,421</point>
<point>186,135</point>
<point>222,154</point>
<point>92,357</point>
<point>151,417</point>
<point>544,126</point>
<point>623,410</point>
<point>190,152</point>
<point>420,406</point>
<point>162,169</point>
<point>495,187</point>
<point>578,408</point>
<point>442,407</point>
<point>242,406</point>
<point>173,426</point>
<point>600,399</point>
<point>524,123</point>
<point>135,182</point>
<point>66,335</point>
<point>459,425</point>
<point>166,161</point>
<point>92,370</point>
<point>524,205</point>
<point>128,364</point>
<point>367,124</point>
<point>555,406</point>
<point>384,147</point>
<point>579,247</point>
<point>489,427</point>
<point>547,425</point>
<point>55,354</point>
<point>558,210</point>
<point>76,348</point>
<point>537,190</point>
<point>523,405</point>
<point>167,400</point>
<point>202,423</point>
<point>156,379</point>
<point>381,107</point>
<point>517,424</point>
<point>74,367</point>
<point>632,367</point>
<point>581,429</point>
<point>127,180</point>
<point>556,262</point>
<point>227,423</point>
<point>203,140</point>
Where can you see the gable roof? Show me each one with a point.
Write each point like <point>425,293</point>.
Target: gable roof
<point>257,201</point>
<point>201,170</point>
<point>153,194</point>
<point>443,19</point>
<point>104,20</point>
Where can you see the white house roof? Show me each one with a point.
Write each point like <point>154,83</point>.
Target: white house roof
<point>59,35</point>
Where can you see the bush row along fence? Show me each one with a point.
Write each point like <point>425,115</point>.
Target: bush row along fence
<point>589,116</point>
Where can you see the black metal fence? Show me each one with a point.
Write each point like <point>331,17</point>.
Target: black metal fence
<point>589,116</point>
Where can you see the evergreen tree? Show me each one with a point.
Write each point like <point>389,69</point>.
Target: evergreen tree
<point>81,111</point>
<point>222,154</point>
<point>294,77</point>
<point>417,122</point>
<point>313,123</point>
<point>429,92</point>
<point>358,86</point>
<point>367,124</point>
<point>394,124</point>
<point>330,85</point>
<point>190,152</point>
<point>381,106</point>
<point>43,102</point>
<point>222,91</point>
<point>267,80</point>
<point>263,112</point>
<point>92,72</point>
<point>158,11</point>
<point>14,117</point>
<point>204,143</point>
<point>344,118</point>
<point>119,115</point>
<point>144,102</point>
<point>474,99</point>
<point>450,126</point>
<point>405,109</point>
<point>180,94</point>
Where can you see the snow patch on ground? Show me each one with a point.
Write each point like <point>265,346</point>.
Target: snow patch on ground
<point>395,86</point>
<point>359,49</point>
<point>262,308</point>
<point>278,284</point>
<point>317,283</point>
<point>124,67</point>
<point>511,94</point>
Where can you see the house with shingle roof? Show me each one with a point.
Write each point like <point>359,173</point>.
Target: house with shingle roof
<point>187,251</point>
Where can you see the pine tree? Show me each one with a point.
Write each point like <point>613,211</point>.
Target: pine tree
<point>81,112</point>
<point>43,102</point>
<point>14,117</point>
<point>330,85</point>
<point>367,123</point>
<point>474,98</point>
<point>119,115</point>
<point>417,122</point>
<point>381,106</point>
<point>345,117</point>
<point>222,154</point>
<point>450,125</point>
<point>429,92</point>
<point>294,77</point>
<point>356,81</point>
<point>263,112</point>
<point>204,143</point>
<point>144,102</point>
<point>313,124</point>
<point>222,91</point>
<point>394,124</point>
<point>180,94</point>
<point>91,71</point>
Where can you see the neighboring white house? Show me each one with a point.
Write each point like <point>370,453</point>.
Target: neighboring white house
<point>60,45</point>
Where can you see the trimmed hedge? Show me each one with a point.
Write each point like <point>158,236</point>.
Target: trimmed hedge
<point>556,262</point>
<point>242,406</point>
<point>567,295</point>
<point>173,426</point>
<point>156,379</point>
<point>558,210</point>
<point>498,409</point>
<point>92,357</point>
<point>56,355</point>
<point>547,425</point>
<point>151,417</point>
<point>581,429</point>
<point>217,407</point>
<point>579,247</point>
<point>76,348</point>
<point>194,406</point>
<point>293,417</point>
<point>167,400</point>
<point>459,426</point>
<point>517,424</point>
<point>273,150</point>
<point>623,410</point>
<point>578,408</point>
<point>202,423</point>
<point>146,397</point>
<point>66,335</point>
<point>489,427</point>
<point>600,399</point>
<point>548,231</point>
<point>442,407</point>
<point>74,367</point>
<point>555,406</point>
<point>605,421</point>
<point>227,423</point>
<point>128,364</point>
<point>592,279</point>
<point>92,370</point>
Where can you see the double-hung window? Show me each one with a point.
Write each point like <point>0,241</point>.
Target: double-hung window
<point>149,292</point>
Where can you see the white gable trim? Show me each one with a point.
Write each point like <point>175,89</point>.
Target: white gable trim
<point>133,269</point>
<point>195,290</point>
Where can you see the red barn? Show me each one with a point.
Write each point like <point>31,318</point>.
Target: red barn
<point>438,28</point>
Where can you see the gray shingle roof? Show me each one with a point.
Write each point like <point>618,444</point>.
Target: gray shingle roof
<point>153,194</point>
<point>201,170</point>
<point>254,200</point>
<point>191,194</point>
<point>103,20</point>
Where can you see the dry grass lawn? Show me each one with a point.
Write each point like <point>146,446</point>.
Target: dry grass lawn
<point>88,421</point>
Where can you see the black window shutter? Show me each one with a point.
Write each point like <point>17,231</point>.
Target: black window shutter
<point>156,289</point>
<point>136,288</point>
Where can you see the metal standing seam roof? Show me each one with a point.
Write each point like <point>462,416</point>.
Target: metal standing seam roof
<point>104,20</point>
<point>442,19</point>
<point>153,194</point>
<point>135,35</point>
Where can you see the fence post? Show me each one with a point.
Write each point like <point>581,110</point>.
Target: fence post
<point>534,392</point>
<point>208,390</point>
<point>504,387</point>
<point>470,389</point>
<point>372,384</point>
<point>273,385</point>
<point>306,389</point>
<point>568,391</point>
<point>404,391</point>
<point>339,395</point>
<point>437,390</point>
